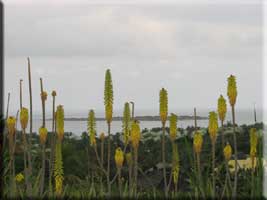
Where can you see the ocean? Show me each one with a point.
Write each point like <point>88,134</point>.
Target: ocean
<point>78,127</point>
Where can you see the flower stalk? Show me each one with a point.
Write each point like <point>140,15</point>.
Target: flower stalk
<point>108,102</point>
<point>232,94</point>
<point>119,158</point>
<point>253,154</point>
<point>213,128</point>
<point>135,139</point>
<point>163,111</point>
<point>52,144</point>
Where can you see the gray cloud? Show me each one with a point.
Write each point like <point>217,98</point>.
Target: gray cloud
<point>189,49</point>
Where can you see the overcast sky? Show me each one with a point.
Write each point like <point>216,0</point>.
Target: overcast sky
<point>188,49</point>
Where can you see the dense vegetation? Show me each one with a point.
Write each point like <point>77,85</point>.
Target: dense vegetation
<point>165,161</point>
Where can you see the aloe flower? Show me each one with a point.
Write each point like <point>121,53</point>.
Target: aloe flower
<point>232,95</point>
<point>108,96</point>
<point>135,139</point>
<point>91,126</point>
<point>232,90</point>
<point>163,105</point>
<point>222,108</point>
<point>58,170</point>
<point>163,111</point>
<point>119,158</point>
<point>43,135</point>
<point>213,128</point>
<point>227,152</point>
<point>11,123</point>
<point>253,152</point>
<point>253,142</point>
<point>197,142</point>
<point>60,122</point>
<point>126,123</point>
<point>135,134</point>
<point>173,127</point>
<point>175,166</point>
<point>108,102</point>
<point>24,118</point>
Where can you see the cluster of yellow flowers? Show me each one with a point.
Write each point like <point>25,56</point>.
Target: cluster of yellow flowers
<point>163,105</point>
<point>232,90</point>
<point>173,126</point>
<point>11,122</point>
<point>129,158</point>
<point>198,141</point>
<point>19,177</point>
<point>119,158</point>
<point>91,127</point>
<point>135,134</point>
<point>60,122</point>
<point>43,135</point>
<point>253,142</point>
<point>222,108</point>
<point>58,170</point>
<point>213,126</point>
<point>227,151</point>
<point>108,96</point>
<point>126,123</point>
<point>24,117</point>
<point>175,164</point>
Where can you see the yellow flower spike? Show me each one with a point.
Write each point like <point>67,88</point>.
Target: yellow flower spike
<point>102,136</point>
<point>173,127</point>
<point>58,185</point>
<point>163,105</point>
<point>11,122</point>
<point>108,96</point>
<point>129,158</point>
<point>222,108</point>
<point>135,134</point>
<point>126,123</point>
<point>232,90</point>
<point>54,93</point>
<point>42,134</point>
<point>213,125</point>
<point>58,170</point>
<point>198,141</point>
<point>60,122</point>
<point>227,151</point>
<point>119,158</point>
<point>24,118</point>
<point>44,96</point>
<point>253,142</point>
<point>176,164</point>
<point>91,127</point>
<point>19,177</point>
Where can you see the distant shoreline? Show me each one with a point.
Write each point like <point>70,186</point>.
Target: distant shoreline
<point>139,118</point>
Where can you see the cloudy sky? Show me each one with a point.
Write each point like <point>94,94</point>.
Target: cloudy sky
<point>190,49</point>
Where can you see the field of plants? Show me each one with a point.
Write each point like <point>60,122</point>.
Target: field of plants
<point>223,160</point>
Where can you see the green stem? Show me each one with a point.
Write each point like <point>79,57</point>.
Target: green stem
<point>135,171</point>
<point>163,160</point>
<point>52,154</point>
<point>235,147</point>
<point>252,177</point>
<point>119,181</point>
<point>108,170</point>
<point>30,135</point>
<point>213,169</point>
<point>43,171</point>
